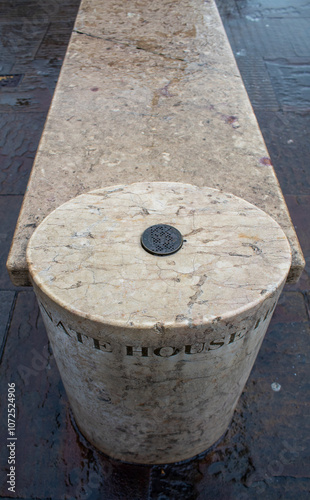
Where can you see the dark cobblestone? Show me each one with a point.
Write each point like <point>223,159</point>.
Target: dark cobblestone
<point>286,136</point>
<point>38,11</point>
<point>290,309</point>
<point>55,41</point>
<point>19,138</point>
<point>19,44</point>
<point>6,304</point>
<point>291,82</point>
<point>9,210</point>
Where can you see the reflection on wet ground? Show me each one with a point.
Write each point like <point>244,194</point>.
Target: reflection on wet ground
<point>265,453</point>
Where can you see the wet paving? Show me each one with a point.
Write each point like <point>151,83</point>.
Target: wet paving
<point>265,452</point>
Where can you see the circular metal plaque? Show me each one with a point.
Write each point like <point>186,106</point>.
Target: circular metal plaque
<point>161,239</point>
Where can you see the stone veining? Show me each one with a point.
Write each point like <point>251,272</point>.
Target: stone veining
<point>139,99</point>
<point>150,347</point>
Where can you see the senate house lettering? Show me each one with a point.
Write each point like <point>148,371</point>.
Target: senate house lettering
<point>143,351</point>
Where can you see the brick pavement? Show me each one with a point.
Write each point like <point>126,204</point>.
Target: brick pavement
<point>265,453</point>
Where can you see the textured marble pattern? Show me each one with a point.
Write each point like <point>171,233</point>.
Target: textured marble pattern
<point>149,92</point>
<point>154,351</point>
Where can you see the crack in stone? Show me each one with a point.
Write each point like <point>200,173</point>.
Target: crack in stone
<point>255,248</point>
<point>194,298</point>
<point>90,35</point>
<point>194,231</point>
<point>128,44</point>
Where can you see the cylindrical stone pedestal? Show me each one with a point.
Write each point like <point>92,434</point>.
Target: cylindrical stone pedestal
<point>154,350</point>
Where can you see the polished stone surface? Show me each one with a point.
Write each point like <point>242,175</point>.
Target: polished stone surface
<point>154,351</point>
<point>134,104</point>
<point>88,253</point>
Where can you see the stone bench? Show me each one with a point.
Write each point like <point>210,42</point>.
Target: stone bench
<point>149,91</point>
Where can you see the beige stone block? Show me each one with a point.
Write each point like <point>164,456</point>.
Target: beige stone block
<point>154,351</point>
<point>149,91</point>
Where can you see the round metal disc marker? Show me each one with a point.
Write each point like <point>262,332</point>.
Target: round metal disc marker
<point>161,239</point>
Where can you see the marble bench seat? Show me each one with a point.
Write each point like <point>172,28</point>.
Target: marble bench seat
<point>149,91</point>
